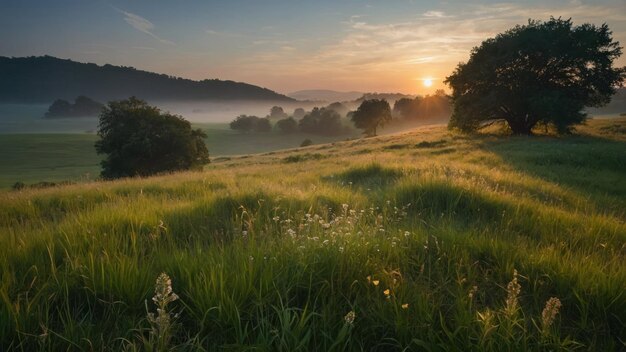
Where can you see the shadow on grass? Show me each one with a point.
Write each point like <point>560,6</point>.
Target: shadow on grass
<point>372,176</point>
<point>592,166</point>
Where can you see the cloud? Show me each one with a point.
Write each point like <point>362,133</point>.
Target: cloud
<point>429,44</point>
<point>143,25</point>
<point>434,14</point>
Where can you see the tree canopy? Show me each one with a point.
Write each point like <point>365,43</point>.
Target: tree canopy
<point>542,72</point>
<point>82,107</point>
<point>288,125</point>
<point>322,121</point>
<point>141,140</point>
<point>372,114</point>
<point>245,123</point>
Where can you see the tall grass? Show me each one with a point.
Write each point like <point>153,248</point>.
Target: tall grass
<point>366,248</point>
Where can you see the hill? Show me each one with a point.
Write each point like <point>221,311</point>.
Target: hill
<point>325,95</point>
<point>426,240</point>
<point>45,79</point>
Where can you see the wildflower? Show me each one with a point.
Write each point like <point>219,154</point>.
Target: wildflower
<point>340,249</point>
<point>553,305</point>
<point>369,279</point>
<point>161,322</point>
<point>405,306</point>
<point>376,282</point>
<point>291,232</point>
<point>472,292</point>
<point>244,233</point>
<point>407,233</point>
<point>349,318</point>
<point>345,206</point>
<point>387,292</point>
<point>513,290</point>
<point>276,218</point>
<point>325,242</point>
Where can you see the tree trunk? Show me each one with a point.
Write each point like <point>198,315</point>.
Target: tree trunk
<point>521,125</point>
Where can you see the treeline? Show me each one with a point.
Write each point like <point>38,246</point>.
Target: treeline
<point>82,107</point>
<point>46,78</point>
<point>427,109</point>
<point>325,121</point>
<point>337,118</point>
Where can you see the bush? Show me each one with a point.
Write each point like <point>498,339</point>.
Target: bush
<point>140,140</point>
<point>305,143</point>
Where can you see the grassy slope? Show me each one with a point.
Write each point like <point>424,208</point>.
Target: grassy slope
<point>436,216</point>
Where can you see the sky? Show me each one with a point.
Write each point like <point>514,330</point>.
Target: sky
<point>283,45</point>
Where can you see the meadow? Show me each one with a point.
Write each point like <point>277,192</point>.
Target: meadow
<point>426,240</point>
<point>59,157</point>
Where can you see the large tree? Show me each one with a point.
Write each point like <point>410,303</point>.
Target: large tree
<point>372,114</point>
<point>542,72</point>
<point>141,140</point>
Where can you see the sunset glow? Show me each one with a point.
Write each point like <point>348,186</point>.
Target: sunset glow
<point>428,82</point>
<point>286,46</point>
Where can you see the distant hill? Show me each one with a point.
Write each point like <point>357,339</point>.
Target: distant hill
<point>390,97</point>
<point>325,95</point>
<point>45,79</point>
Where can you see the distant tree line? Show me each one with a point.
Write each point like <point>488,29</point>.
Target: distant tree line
<point>321,121</point>
<point>82,107</point>
<point>429,108</point>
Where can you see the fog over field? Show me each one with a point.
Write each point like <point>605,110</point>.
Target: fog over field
<point>28,118</point>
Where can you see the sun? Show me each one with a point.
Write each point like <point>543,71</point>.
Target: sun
<point>427,82</point>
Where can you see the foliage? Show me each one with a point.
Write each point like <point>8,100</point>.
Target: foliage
<point>140,140</point>
<point>542,72</point>
<point>430,108</point>
<point>277,112</point>
<point>372,114</point>
<point>82,107</point>
<point>298,113</point>
<point>288,125</point>
<point>263,125</point>
<point>247,123</point>
<point>321,251</point>
<point>322,121</point>
<point>305,143</point>
<point>339,108</point>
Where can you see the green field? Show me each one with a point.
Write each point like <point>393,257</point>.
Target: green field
<point>55,157</point>
<point>407,242</point>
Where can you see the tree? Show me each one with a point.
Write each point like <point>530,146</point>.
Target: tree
<point>299,113</point>
<point>277,112</point>
<point>247,123</point>
<point>243,123</point>
<point>404,107</point>
<point>262,125</point>
<point>371,114</point>
<point>141,140</point>
<point>339,108</point>
<point>288,125</point>
<point>321,121</point>
<point>59,107</point>
<point>542,72</point>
